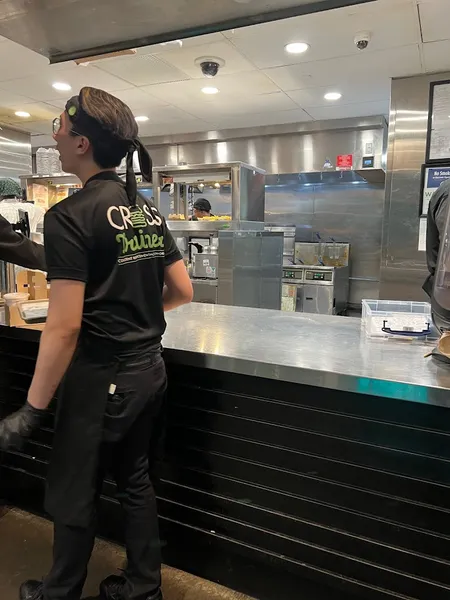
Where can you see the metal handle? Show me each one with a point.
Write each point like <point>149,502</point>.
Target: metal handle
<point>406,333</point>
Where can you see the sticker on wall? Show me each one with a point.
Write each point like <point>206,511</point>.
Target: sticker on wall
<point>369,148</point>
<point>328,164</point>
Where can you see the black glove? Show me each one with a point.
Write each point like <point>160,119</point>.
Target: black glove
<point>18,426</point>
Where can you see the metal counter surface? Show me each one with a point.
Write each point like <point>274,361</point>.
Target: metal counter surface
<point>317,350</point>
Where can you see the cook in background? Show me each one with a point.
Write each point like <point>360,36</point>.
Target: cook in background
<point>202,208</point>
<point>15,247</point>
<point>114,269</point>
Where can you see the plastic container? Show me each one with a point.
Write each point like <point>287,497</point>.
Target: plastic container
<point>15,298</point>
<point>42,161</point>
<point>55,163</point>
<point>34,311</point>
<point>396,318</point>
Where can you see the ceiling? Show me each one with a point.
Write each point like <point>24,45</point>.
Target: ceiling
<point>260,83</point>
<point>52,27</point>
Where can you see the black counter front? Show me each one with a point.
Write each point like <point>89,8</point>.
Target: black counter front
<point>272,486</point>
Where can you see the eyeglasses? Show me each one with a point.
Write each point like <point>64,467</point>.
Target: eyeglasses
<point>56,126</point>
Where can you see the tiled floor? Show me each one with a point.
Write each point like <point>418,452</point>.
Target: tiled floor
<point>25,552</point>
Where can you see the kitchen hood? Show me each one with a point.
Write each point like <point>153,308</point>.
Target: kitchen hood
<point>70,29</point>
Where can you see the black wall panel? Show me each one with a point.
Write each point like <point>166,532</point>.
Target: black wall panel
<point>278,489</point>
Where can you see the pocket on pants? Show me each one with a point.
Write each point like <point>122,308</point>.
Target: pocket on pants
<point>115,405</point>
<point>120,412</point>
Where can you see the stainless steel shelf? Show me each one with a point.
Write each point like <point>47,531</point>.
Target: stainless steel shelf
<point>206,226</point>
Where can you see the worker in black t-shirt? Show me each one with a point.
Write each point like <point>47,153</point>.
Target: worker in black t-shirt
<point>15,247</point>
<point>436,217</point>
<point>18,249</point>
<point>114,269</point>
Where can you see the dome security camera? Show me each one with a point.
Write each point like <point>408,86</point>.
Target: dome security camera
<point>210,65</point>
<point>362,40</point>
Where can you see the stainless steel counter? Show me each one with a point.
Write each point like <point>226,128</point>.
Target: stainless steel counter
<point>315,350</point>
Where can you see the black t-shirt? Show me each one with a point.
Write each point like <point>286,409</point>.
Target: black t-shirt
<point>436,220</point>
<point>119,251</point>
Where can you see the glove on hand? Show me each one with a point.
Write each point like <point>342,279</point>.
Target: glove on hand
<point>18,426</point>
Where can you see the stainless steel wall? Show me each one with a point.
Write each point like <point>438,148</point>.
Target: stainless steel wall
<point>345,211</point>
<point>403,268</point>
<point>15,153</point>
<point>294,148</point>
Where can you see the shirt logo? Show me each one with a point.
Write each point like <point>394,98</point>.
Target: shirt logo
<point>139,237</point>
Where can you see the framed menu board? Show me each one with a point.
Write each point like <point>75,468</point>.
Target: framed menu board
<point>438,135</point>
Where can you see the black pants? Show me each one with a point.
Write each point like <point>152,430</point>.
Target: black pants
<point>132,426</point>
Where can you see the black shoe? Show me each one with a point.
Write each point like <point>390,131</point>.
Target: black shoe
<point>32,590</point>
<point>112,588</point>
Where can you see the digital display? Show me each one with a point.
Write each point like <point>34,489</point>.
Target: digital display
<point>319,276</point>
<point>289,274</point>
<point>368,162</point>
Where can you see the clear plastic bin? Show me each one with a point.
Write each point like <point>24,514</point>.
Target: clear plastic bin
<point>388,318</point>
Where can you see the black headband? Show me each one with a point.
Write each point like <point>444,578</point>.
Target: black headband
<point>84,124</point>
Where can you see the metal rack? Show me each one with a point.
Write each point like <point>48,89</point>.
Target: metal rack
<point>232,262</point>
<point>247,187</point>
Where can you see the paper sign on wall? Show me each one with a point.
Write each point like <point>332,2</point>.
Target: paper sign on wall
<point>344,162</point>
<point>432,180</point>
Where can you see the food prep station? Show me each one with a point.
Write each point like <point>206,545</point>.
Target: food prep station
<point>231,259</point>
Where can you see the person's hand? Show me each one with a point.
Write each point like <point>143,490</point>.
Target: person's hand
<point>19,426</point>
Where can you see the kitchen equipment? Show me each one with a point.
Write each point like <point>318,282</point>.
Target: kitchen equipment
<point>205,290</point>
<point>231,261</point>
<point>205,264</point>
<point>328,254</point>
<point>318,290</point>
<point>288,232</point>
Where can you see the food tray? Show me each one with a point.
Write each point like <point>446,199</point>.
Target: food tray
<point>33,311</point>
<point>396,318</point>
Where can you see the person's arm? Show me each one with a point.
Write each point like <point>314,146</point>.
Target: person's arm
<point>177,286</point>
<point>58,340</point>
<point>16,248</point>
<point>66,248</point>
<point>436,217</point>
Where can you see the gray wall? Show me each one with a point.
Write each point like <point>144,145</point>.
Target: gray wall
<point>403,268</point>
<point>346,211</point>
<point>15,153</point>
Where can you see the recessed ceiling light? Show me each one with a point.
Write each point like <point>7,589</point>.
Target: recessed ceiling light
<point>296,47</point>
<point>141,119</point>
<point>333,96</point>
<point>172,43</point>
<point>22,113</point>
<point>210,90</point>
<point>61,87</point>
